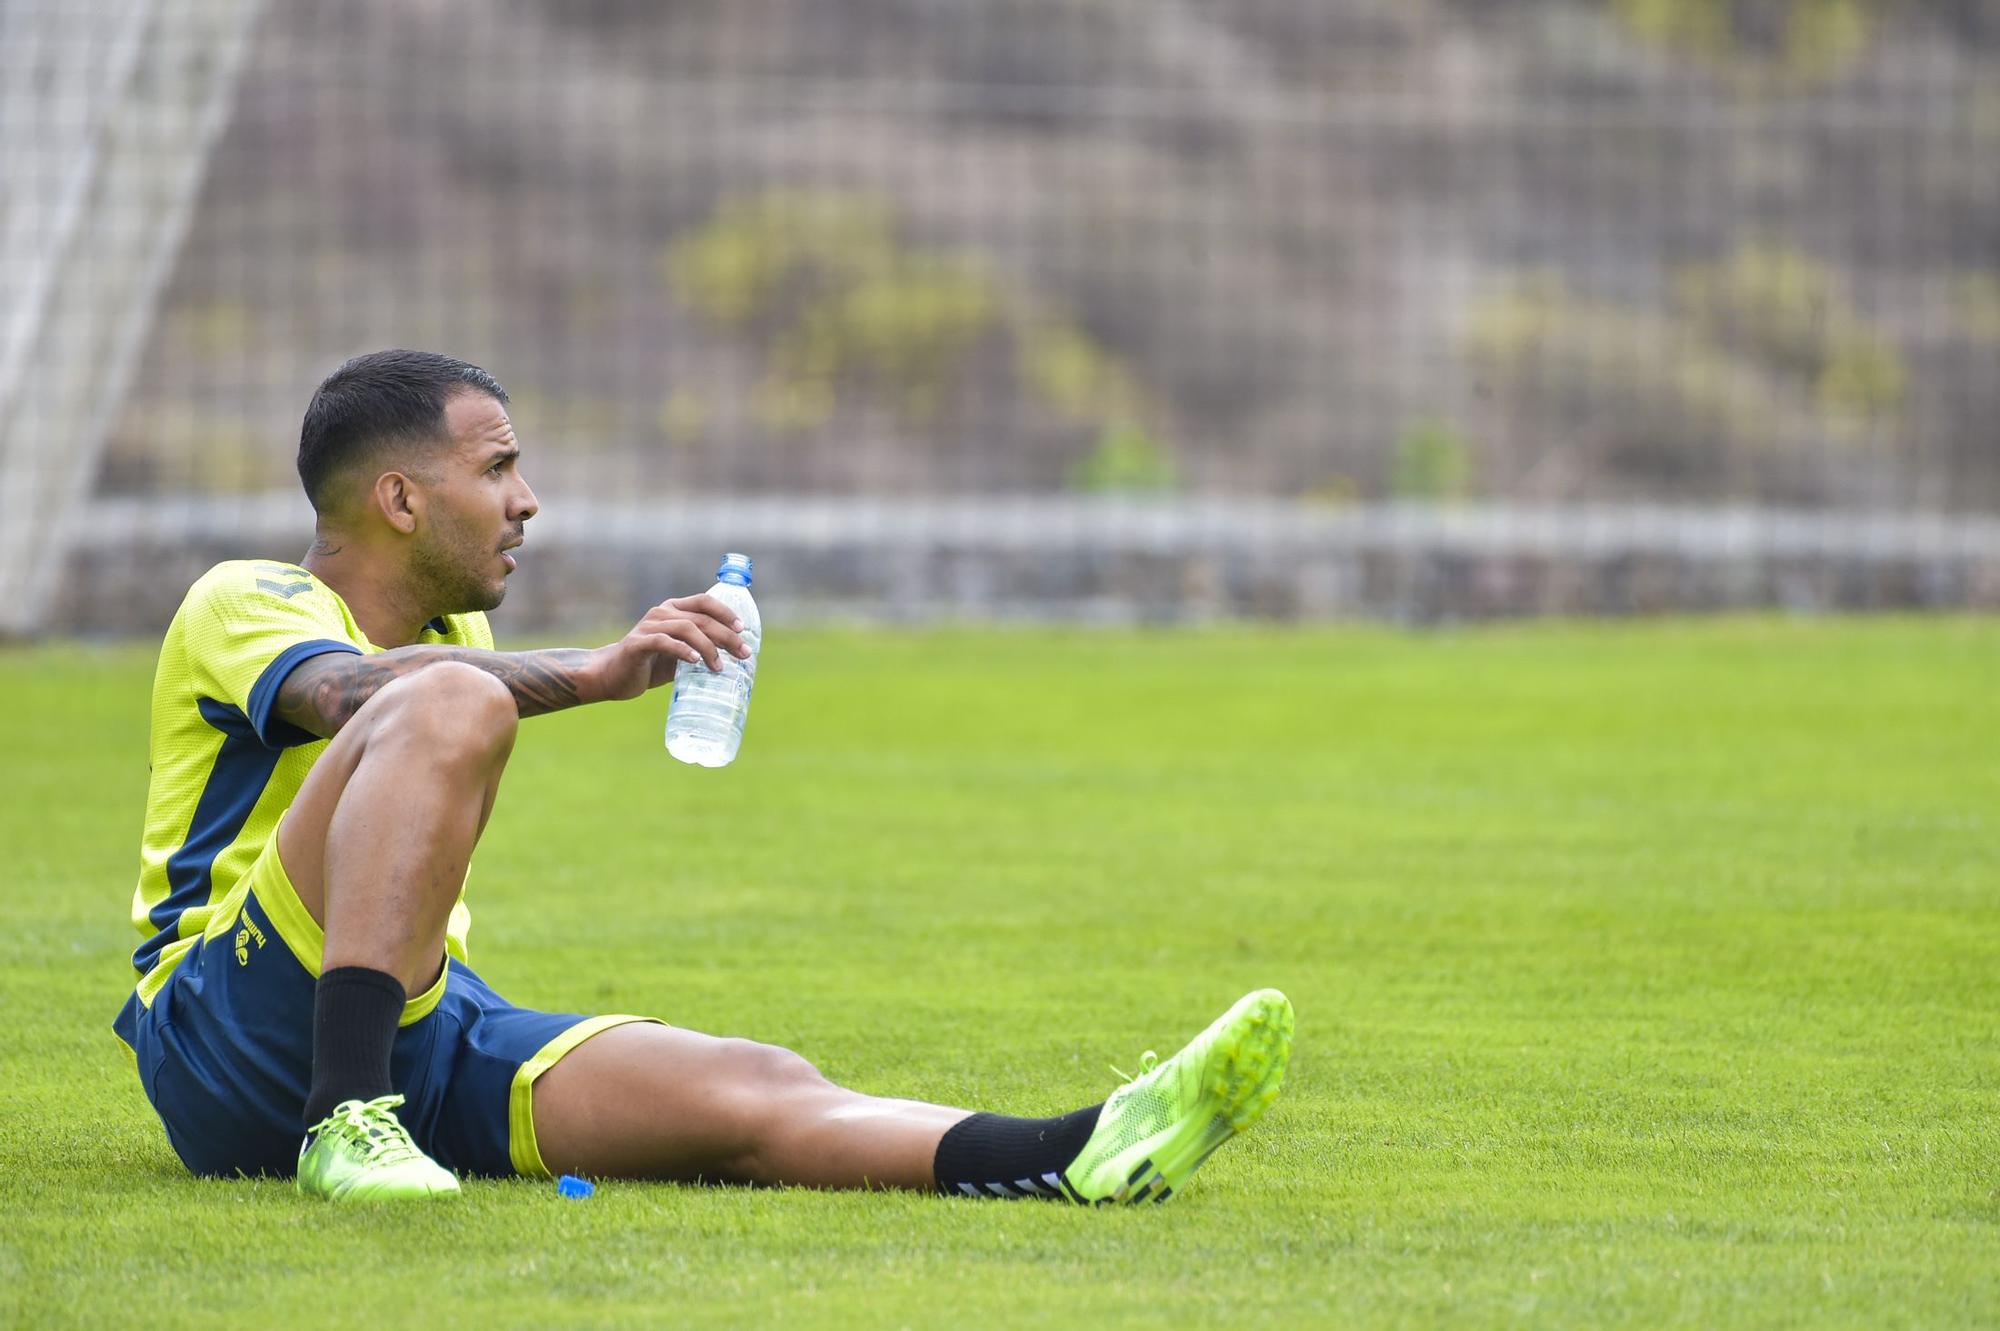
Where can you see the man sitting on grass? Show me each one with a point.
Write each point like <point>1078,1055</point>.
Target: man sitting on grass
<point>327,742</point>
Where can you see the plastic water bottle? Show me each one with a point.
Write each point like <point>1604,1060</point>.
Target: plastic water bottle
<point>705,719</point>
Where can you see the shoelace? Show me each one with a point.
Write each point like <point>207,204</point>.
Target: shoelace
<point>1147,1062</point>
<point>372,1125</point>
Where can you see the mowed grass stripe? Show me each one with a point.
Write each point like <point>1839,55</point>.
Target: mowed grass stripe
<point>1646,975</point>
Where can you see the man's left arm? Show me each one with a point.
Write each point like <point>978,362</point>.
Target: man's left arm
<point>322,693</point>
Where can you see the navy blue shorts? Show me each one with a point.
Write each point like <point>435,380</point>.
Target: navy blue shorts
<point>225,1047</point>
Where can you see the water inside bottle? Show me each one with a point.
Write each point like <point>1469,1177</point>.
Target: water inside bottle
<point>705,723</point>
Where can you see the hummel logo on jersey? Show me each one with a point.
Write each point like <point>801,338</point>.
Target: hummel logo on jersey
<point>243,937</point>
<point>285,589</point>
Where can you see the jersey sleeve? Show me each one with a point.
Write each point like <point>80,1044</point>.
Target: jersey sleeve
<point>248,625</point>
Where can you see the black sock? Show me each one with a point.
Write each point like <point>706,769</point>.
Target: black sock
<point>991,1156</point>
<point>355,1011</point>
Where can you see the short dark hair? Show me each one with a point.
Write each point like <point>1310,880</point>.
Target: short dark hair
<point>384,397</point>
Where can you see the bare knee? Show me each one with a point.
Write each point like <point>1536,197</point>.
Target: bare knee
<point>454,712</point>
<point>765,1070</point>
<point>773,1094</point>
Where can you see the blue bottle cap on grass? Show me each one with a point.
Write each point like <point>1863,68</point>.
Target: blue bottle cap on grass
<point>569,1185</point>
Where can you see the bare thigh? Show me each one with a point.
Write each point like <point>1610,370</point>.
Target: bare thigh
<point>646,1101</point>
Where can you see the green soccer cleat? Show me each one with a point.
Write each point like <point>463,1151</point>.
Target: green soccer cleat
<point>1156,1130</point>
<point>361,1152</point>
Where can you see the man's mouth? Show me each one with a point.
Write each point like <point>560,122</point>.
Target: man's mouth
<point>506,558</point>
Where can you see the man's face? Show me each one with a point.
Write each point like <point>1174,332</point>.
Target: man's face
<point>478,507</point>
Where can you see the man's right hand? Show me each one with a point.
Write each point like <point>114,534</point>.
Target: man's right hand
<point>684,629</point>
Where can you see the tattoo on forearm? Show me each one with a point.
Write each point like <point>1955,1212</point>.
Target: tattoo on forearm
<point>324,692</point>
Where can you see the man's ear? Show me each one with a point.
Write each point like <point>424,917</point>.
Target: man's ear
<point>399,500</point>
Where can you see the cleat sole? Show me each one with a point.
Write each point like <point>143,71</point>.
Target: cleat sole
<point>1242,1078</point>
<point>1242,1057</point>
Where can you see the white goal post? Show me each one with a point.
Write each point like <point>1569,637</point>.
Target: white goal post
<point>108,113</point>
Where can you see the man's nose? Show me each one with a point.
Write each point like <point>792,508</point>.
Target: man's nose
<point>525,504</point>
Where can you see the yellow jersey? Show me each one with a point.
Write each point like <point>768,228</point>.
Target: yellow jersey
<point>224,766</point>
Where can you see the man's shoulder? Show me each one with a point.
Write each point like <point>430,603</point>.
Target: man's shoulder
<point>246,575</point>
<point>240,594</point>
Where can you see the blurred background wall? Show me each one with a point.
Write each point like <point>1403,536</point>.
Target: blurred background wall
<point>1110,308</point>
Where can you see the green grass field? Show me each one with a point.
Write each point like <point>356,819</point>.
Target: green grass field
<point>1645,976</point>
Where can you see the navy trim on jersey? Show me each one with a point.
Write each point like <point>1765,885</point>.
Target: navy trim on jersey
<point>242,769</point>
<point>276,732</point>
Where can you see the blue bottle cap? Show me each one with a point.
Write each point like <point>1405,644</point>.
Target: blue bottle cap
<point>569,1185</point>
<point>735,569</point>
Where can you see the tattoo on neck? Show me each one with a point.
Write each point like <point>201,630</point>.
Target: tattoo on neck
<point>323,546</point>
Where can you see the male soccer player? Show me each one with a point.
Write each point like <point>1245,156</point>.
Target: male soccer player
<point>327,741</point>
